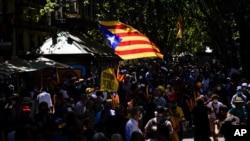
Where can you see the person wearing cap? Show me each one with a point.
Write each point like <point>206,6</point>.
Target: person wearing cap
<point>154,127</point>
<point>239,93</point>
<point>90,93</point>
<point>239,110</point>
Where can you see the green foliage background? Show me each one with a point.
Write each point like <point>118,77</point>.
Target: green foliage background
<point>213,23</point>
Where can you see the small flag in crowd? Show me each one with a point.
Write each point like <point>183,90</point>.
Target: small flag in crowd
<point>179,27</point>
<point>127,42</point>
<point>120,76</point>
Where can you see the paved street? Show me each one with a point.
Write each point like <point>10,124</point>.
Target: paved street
<point>191,139</point>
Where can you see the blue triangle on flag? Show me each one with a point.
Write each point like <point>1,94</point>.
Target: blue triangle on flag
<point>112,38</point>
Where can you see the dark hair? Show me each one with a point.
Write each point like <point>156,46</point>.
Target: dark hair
<point>43,104</point>
<point>215,96</point>
<point>199,101</point>
<point>137,136</point>
<point>134,111</point>
<point>44,88</point>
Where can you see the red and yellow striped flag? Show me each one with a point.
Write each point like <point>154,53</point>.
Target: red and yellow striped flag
<point>133,44</point>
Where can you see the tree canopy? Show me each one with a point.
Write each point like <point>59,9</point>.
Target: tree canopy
<point>223,25</point>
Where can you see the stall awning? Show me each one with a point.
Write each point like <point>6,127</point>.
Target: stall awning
<point>66,43</point>
<point>18,65</point>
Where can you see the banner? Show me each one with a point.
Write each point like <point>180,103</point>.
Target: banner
<point>108,80</point>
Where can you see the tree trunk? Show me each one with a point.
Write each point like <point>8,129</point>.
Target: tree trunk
<point>245,45</point>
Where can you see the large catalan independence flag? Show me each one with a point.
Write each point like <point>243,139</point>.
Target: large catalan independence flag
<point>127,42</point>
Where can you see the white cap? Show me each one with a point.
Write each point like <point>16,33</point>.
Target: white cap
<point>238,88</point>
<point>244,85</point>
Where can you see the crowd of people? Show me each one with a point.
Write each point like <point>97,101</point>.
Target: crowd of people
<point>156,101</point>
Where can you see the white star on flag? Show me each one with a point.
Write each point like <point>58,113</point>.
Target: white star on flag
<point>111,39</point>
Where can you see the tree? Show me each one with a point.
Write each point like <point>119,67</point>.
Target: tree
<point>216,23</point>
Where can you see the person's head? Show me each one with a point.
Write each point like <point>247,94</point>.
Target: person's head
<point>244,86</point>
<point>135,113</point>
<point>44,89</point>
<point>99,136</point>
<point>239,102</point>
<point>84,98</point>
<point>239,90</point>
<point>157,93</point>
<point>15,99</point>
<point>120,110</point>
<point>137,136</point>
<point>43,107</point>
<point>160,111</point>
<point>218,87</point>
<point>89,90</point>
<point>200,101</point>
<point>116,137</point>
<point>199,84</point>
<point>215,98</point>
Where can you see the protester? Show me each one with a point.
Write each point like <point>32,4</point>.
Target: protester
<point>214,107</point>
<point>132,123</point>
<point>159,127</point>
<point>238,94</point>
<point>201,121</point>
<point>225,123</point>
<point>239,110</point>
<point>82,109</point>
<point>45,96</point>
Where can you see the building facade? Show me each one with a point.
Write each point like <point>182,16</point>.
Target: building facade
<point>21,31</point>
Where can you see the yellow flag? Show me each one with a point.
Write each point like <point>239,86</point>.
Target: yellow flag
<point>179,27</point>
<point>108,80</point>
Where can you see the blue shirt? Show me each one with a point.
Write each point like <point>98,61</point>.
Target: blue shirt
<point>131,126</point>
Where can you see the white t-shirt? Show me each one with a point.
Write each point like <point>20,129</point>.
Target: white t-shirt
<point>215,107</point>
<point>44,96</point>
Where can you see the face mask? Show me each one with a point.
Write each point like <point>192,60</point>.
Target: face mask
<point>69,109</point>
<point>140,77</point>
<point>140,116</point>
<point>215,100</point>
<point>218,88</point>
